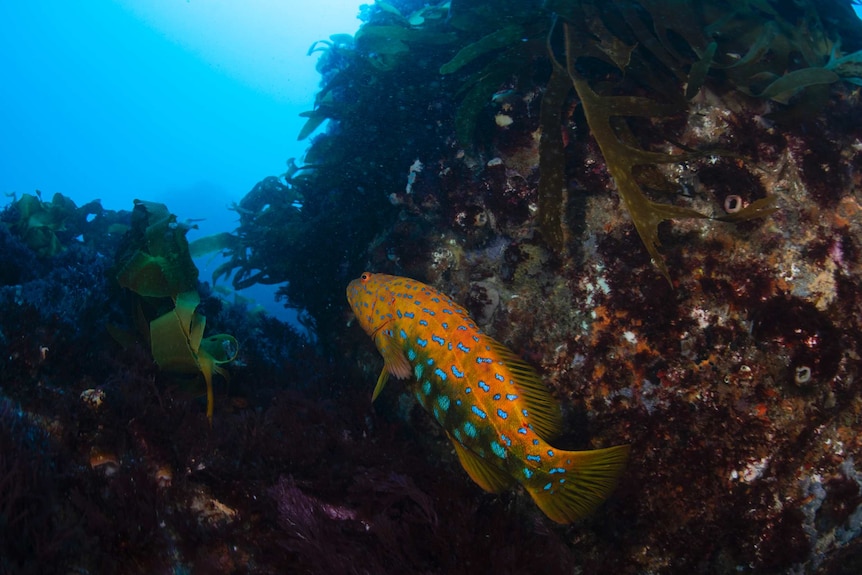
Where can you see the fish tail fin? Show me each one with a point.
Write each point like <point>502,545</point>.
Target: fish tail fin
<point>578,482</point>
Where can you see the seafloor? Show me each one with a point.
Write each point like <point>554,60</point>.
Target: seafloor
<point>735,378</point>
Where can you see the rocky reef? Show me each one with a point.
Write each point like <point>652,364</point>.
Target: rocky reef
<point>526,158</point>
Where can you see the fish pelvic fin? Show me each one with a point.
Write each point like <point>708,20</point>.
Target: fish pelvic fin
<point>578,482</point>
<point>381,383</point>
<point>490,478</point>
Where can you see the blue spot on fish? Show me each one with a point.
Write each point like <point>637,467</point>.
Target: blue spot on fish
<point>430,361</point>
<point>527,473</point>
<point>463,347</point>
<point>524,413</point>
<point>409,314</point>
<point>557,470</point>
<point>438,339</point>
<point>485,387</point>
<point>421,342</point>
<point>443,402</point>
<point>422,321</point>
<point>547,487</point>
<point>535,442</point>
<point>550,453</point>
<point>457,433</point>
<point>435,299</point>
<point>457,373</point>
<point>478,412</point>
<point>476,337</point>
<point>411,354</point>
<point>468,390</point>
<point>502,414</point>
<point>398,312</point>
<point>462,328</point>
<point>511,396</point>
<point>563,480</point>
<point>498,450</point>
<point>445,325</point>
<point>483,360</point>
<point>418,369</point>
<point>506,440</point>
<point>496,396</point>
<point>535,458</point>
<point>426,387</point>
<point>522,430</point>
<point>499,377</point>
<point>457,402</point>
<point>447,310</point>
<point>440,373</point>
<point>469,429</point>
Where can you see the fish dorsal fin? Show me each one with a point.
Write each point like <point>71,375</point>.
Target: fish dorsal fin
<point>486,476</point>
<point>543,409</point>
<point>393,355</point>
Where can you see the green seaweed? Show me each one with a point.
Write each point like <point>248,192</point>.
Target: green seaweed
<point>787,85</point>
<point>39,221</point>
<point>698,72</point>
<point>46,226</point>
<point>157,266</point>
<point>494,41</point>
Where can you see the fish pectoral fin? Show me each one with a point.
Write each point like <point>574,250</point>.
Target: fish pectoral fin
<point>393,356</point>
<point>487,476</point>
<point>381,382</point>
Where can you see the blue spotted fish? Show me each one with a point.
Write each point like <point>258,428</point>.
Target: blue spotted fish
<point>494,408</point>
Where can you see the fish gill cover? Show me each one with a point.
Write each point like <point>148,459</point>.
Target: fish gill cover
<point>522,157</point>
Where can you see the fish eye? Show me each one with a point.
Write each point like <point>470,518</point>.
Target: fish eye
<point>365,277</point>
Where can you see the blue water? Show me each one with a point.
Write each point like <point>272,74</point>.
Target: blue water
<point>185,103</point>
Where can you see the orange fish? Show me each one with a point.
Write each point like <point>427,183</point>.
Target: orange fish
<point>493,406</point>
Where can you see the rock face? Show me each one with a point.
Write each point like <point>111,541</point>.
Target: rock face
<point>737,385</point>
<point>737,382</point>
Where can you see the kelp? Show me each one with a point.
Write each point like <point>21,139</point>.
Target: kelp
<point>552,159</point>
<point>157,266</point>
<point>389,42</point>
<point>622,157</point>
<point>505,53</point>
<point>269,215</point>
<point>494,41</point>
<point>385,46</point>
